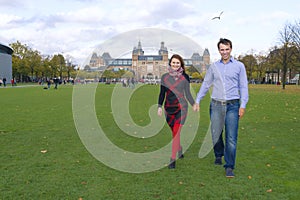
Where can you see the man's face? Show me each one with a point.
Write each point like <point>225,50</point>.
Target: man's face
<point>225,51</point>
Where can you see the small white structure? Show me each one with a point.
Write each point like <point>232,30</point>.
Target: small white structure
<point>295,80</point>
<point>5,62</point>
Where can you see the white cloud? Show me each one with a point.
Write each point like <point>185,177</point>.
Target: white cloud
<point>76,27</point>
<point>11,3</point>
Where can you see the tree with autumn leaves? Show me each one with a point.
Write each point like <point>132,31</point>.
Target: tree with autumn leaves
<point>283,59</point>
<point>30,65</point>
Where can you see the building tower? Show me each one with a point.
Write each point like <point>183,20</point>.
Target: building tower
<point>136,52</point>
<point>206,57</point>
<point>163,51</point>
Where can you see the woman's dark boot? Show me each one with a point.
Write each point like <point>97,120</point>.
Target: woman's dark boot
<point>180,153</point>
<point>172,164</point>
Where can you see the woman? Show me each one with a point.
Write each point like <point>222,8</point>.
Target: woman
<point>174,89</point>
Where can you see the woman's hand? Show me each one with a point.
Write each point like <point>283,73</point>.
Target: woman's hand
<point>159,111</point>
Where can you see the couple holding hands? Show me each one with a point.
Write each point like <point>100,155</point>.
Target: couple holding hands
<point>229,97</point>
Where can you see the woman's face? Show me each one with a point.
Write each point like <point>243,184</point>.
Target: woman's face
<point>175,63</point>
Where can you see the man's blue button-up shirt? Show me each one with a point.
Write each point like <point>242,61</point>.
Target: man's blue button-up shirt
<point>229,82</point>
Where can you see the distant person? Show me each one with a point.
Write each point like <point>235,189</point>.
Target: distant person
<point>228,102</point>
<point>1,82</point>
<point>174,89</point>
<point>123,83</point>
<point>49,83</point>
<point>132,82</point>
<point>56,80</point>
<point>4,82</point>
<point>12,81</point>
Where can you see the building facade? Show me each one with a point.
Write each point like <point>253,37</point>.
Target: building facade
<point>146,66</point>
<point>5,62</point>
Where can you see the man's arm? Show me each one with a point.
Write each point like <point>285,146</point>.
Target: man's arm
<point>243,84</point>
<point>243,91</point>
<point>208,80</point>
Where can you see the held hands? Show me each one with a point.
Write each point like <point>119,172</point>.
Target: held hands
<point>196,107</point>
<point>159,111</point>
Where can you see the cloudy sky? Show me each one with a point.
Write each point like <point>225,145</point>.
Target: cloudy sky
<point>76,27</point>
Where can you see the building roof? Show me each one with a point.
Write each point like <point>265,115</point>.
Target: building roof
<point>206,52</point>
<point>106,56</point>
<point>6,49</point>
<point>197,57</point>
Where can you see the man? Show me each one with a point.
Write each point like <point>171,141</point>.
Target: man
<point>228,103</point>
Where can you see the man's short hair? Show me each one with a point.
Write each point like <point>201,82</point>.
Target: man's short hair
<point>224,41</point>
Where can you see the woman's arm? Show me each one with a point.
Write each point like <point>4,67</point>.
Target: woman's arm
<point>161,99</point>
<point>162,95</point>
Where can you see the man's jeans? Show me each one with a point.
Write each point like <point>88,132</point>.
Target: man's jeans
<point>225,114</point>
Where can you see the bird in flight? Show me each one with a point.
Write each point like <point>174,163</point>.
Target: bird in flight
<point>219,17</point>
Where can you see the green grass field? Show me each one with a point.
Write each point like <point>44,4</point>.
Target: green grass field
<point>42,156</point>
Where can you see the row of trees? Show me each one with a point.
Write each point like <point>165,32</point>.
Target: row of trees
<point>282,60</point>
<point>30,65</point>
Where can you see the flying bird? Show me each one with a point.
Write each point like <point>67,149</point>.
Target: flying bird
<point>219,17</point>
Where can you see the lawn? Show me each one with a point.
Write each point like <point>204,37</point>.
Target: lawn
<point>43,157</point>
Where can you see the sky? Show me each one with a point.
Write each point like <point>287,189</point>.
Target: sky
<point>76,28</point>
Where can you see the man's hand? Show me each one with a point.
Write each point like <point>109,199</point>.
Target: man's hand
<point>196,107</point>
<point>241,112</point>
